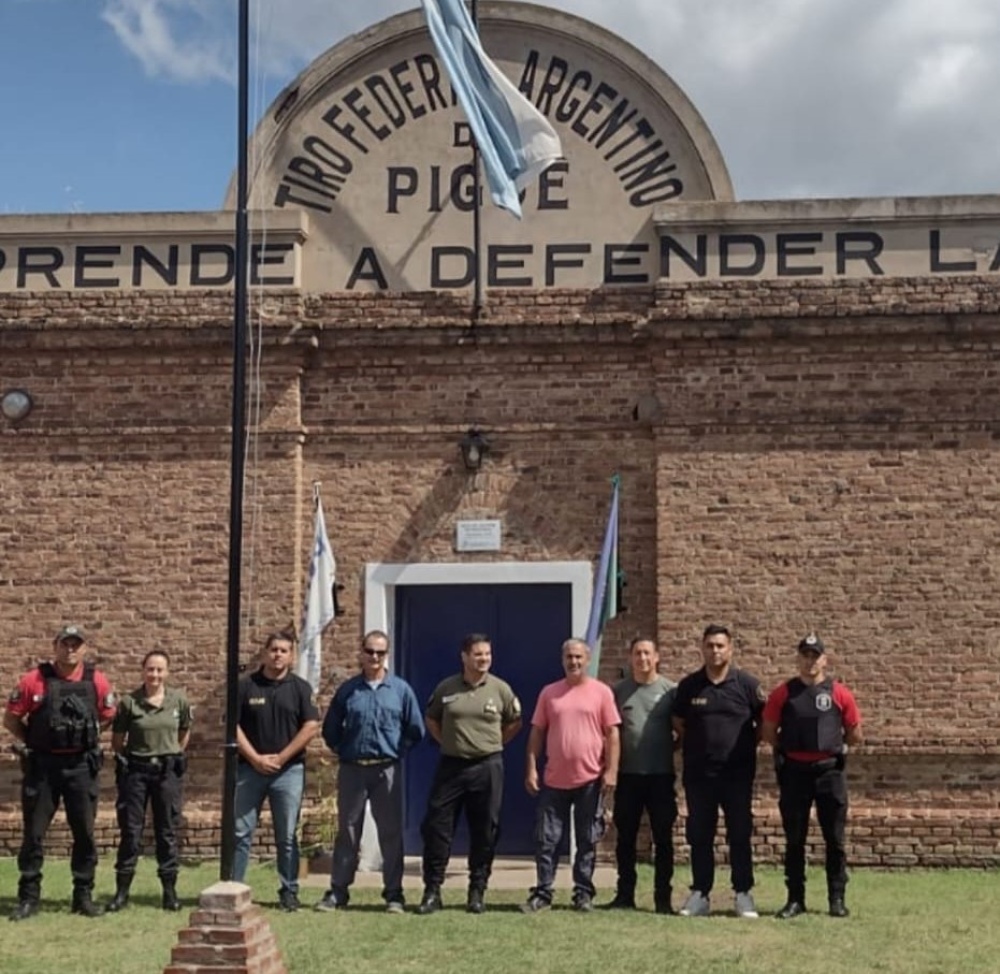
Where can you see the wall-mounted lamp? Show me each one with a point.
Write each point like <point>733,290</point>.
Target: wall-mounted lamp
<point>474,447</point>
<point>15,405</point>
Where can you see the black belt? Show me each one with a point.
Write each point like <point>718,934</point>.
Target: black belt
<point>835,761</point>
<point>156,761</point>
<point>472,760</point>
<point>372,762</point>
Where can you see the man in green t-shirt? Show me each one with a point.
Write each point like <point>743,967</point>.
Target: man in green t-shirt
<point>646,774</point>
<point>472,715</point>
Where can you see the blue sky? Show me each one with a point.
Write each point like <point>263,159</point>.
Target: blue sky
<point>90,130</point>
<point>125,105</point>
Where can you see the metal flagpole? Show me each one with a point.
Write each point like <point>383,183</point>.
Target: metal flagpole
<point>477,301</point>
<point>238,457</point>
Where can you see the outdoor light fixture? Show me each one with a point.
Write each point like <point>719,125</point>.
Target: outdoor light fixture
<point>474,447</point>
<point>15,405</point>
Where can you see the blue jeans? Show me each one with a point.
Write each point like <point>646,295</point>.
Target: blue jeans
<point>555,806</point>
<point>283,792</point>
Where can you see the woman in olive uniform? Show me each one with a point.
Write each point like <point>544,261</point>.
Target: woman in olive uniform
<point>149,735</point>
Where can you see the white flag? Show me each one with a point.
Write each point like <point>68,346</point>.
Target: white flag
<point>516,141</point>
<point>320,609</point>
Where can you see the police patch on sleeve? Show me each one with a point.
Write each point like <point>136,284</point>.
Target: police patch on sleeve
<point>515,706</point>
<point>110,700</point>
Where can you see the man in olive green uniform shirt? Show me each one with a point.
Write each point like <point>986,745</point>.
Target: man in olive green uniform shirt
<point>645,775</point>
<point>472,715</point>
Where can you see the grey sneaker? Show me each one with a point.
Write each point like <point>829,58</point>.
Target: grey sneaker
<point>395,906</point>
<point>536,904</point>
<point>745,906</point>
<point>330,902</point>
<point>288,900</point>
<point>696,905</point>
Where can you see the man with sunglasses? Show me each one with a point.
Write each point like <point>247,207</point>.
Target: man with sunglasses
<point>373,720</point>
<point>808,721</point>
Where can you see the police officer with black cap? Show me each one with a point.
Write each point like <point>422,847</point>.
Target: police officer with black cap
<point>56,712</point>
<point>810,721</point>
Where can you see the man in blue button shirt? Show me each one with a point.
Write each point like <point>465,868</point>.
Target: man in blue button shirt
<point>373,720</point>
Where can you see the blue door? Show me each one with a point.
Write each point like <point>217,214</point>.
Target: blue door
<point>527,625</point>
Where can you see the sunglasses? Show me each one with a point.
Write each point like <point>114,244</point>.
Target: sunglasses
<point>374,652</point>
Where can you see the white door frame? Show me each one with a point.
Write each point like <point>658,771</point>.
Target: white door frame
<point>381,579</point>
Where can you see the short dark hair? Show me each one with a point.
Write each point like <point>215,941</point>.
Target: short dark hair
<point>642,639</point>
<point>152,653</point>
<point>282,635</point>
<point>716,630</point>
<point>475,637</point>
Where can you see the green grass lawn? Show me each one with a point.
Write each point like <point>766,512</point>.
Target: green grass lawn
<point>921,922</point>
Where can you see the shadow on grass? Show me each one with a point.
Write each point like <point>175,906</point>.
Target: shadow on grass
<point>150,900</point>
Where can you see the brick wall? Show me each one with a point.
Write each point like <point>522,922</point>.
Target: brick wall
<point>794,455</point>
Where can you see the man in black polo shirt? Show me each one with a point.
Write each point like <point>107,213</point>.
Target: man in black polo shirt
<point>276,719</point>
<point>717,717</point>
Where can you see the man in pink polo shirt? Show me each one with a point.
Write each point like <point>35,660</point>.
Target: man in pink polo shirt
<point>576,721</point>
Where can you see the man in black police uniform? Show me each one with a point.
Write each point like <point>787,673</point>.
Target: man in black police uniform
<point>809,721</point>
<point>56,713</point>
<point>717,715</point>
<point>472,715</point>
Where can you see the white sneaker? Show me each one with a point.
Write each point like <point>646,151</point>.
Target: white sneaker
<point>696,905</point>
<point>745,906</point>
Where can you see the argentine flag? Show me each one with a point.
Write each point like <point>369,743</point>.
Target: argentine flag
<point>605,605</point>
<point>515,140</point>
<point>320,608</point>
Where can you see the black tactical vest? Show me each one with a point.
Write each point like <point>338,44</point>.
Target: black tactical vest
<point>811,719</point>
<point>68,720</point>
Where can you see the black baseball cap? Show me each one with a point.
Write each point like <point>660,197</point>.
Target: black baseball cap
<point>812,644</point>
<point>70,632</point>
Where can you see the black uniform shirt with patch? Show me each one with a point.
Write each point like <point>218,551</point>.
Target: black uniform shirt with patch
<point>720,721</point>
<point>271,712</point>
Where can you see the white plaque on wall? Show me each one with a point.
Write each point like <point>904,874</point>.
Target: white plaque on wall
<point>477,536</point>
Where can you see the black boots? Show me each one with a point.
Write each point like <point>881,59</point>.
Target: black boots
<point>122,885</point>
<point>84,905</point>
<point>170,900</point>
<point>431,901</point>
<point>837,906</point>
<point>621,901</point>
<point>23,910</point>
<point>791,910</point>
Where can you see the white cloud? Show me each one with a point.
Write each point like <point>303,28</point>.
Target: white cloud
<point>806,97</point>
<point>176,39</point>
